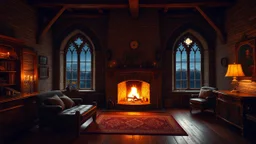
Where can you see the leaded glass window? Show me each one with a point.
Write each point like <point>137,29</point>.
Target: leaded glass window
<point>188,63</point>
<point>79,58</point>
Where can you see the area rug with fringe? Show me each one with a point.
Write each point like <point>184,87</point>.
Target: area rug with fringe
<point>135,123</point>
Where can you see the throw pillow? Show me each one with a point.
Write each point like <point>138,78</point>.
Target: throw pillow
<point>67,101</point>
<point>204,93</point>
<point>55,100</point>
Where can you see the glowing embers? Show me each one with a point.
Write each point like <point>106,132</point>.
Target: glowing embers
<point>133,92</point>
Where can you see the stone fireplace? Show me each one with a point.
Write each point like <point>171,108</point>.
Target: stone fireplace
<point>134,88</point>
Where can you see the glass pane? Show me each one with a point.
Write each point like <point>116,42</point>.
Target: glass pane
<point>88,83</point>
<point>74,56</point>
<point>178,56</point>
<point>88,66</point>
<point>78,41</point>
<point>192,74</point>
<point>68,66</point>
<point>192,83</point>
<point>82,75</point>
<point>74,66</point>
<point>74,75</point>
<point>178,75</point>
<point>184,56</point>
<point>68,56</point>
<point>178,70</point>
<point>184,84</point>
<point>88,76</point>
<point>68,75</point>
<point>71,47</point>
<point>178,84</point>
<point>88,56</point>
<point>184,71</point>
<point>198,84</point>
<point>82,66</point>
<point>82,84</point>
<point>198,75</point>
<point>82,56</point>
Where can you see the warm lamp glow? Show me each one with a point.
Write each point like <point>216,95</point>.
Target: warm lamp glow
<point>234,70</point>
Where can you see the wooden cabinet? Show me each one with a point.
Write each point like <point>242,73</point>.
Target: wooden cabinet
<point>16,114</point>
<point>18,87</point>
<point>232,107</point>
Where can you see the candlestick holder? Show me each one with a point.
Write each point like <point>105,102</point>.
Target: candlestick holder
<point>28,82</point>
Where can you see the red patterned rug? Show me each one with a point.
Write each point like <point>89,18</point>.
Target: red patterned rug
<point>136,124</point>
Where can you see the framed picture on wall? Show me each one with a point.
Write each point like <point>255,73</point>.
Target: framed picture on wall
<point>43,72</point>
<point>42,60</point>
<point>245,56</point>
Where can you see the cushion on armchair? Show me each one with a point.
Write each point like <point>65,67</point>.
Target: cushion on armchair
<point>204,93</point>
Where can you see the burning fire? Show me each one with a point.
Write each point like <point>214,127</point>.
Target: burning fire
<point>133,95</point>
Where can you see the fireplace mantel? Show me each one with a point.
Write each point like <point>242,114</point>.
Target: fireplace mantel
<point>123,71</point>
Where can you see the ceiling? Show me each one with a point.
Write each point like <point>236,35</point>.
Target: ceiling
<point>54,9</point>
<point>101,7</point>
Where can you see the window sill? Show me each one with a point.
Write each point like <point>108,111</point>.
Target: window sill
<point>186,91</point>
<point>86,91</point>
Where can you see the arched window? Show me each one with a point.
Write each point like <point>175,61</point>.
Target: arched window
<point>188,57</point>
<point>79,62</point>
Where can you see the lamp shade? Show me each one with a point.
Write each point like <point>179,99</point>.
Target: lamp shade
<point>234,70</point>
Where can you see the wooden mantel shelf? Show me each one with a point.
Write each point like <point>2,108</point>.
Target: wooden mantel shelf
<point>122,71</point>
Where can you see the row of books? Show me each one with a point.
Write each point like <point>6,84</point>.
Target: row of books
<point>7,65</point>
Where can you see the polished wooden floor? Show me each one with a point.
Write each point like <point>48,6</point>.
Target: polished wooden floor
<point>202,128</point>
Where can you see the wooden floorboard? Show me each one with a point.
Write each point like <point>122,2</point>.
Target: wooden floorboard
<point>202,128</point>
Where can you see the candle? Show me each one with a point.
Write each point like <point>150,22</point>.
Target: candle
<point>31,78</point>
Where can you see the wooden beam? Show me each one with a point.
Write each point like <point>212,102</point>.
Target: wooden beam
<point>85,6</point>
<point>83,15</point>
<point>186,5</point>
<point>117,6</point>
<point>134,8</point>
<point>218,31</point>
<point>48,26</point>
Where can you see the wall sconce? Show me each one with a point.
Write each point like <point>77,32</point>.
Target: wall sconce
<point>234,70</point>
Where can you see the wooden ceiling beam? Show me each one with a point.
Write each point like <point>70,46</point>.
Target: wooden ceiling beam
<point>82,16</point>
<point>136,3</point>
<point>134,8</point>
<point>186,5</point>
<point>48,26</point>
<point>86,6</point>
<point>218,31</point>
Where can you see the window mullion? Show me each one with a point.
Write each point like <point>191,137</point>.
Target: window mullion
<point>188,68</point>
<point>78,69</point>
<point>181,84</point>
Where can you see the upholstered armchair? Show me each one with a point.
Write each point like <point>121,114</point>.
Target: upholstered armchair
<point>206,99</point>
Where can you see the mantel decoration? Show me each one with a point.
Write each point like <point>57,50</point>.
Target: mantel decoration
<point>134,44</point>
